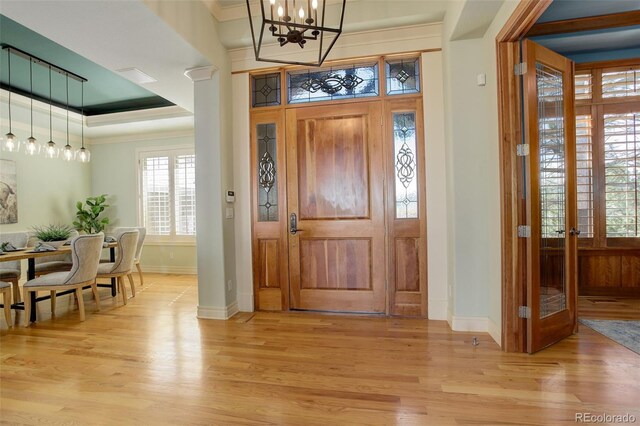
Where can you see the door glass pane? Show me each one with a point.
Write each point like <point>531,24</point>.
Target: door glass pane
<point>403,76</point>
<point>406,168</point>
<point>552,189</point>
<point>267,173</point>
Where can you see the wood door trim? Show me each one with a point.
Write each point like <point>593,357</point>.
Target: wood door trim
<point>513,250</point>
<point>590,23</point>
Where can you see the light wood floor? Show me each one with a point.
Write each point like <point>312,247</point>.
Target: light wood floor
<point>609,308</point>
<point>153,363</point>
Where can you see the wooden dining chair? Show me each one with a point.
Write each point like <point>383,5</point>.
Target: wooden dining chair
<point>12,271</point>
<point>85,256</point>
<point>127,240</point>
<point>5,289</point>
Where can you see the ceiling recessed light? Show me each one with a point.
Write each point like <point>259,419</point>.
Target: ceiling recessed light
<point>137,76</point>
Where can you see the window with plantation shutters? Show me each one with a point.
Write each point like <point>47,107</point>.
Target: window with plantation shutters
<point>622,171</point>
<point>167,192</point>
<point>608,153</point>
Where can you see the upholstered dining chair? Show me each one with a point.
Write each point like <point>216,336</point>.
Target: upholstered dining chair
<point>11,271</point>
<point>53,263</point>
<point>85,256</point>
<point>142,232</point>
<point>5,289</point>
<point>127,240</point>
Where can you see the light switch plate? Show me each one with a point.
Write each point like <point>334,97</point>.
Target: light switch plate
<point>229,213</point>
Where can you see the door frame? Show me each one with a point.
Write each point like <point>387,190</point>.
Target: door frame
<point>513,250</point>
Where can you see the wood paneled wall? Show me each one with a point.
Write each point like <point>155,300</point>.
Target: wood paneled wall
<point>609,272</point>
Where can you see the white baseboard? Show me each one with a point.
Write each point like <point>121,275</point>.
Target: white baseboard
<point>245,302</point>
<point>437,309</point>
<point>212,312</point>
<point>169,270</point>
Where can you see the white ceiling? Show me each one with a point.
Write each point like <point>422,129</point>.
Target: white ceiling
<point>360,15</point>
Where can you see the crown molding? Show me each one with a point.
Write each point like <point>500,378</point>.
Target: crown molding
<point>200,73</point>
<point>140,137</point>
<point>136,116</point>
<point>411,38</point>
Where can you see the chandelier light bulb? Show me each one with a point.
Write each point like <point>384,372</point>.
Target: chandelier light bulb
<point>280,11</point>
<point>83,155</point>
<point>51,150</point>
<point>301,13</point>
<point>314,4</point>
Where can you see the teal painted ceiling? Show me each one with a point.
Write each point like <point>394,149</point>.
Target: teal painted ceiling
<point>104,92</point>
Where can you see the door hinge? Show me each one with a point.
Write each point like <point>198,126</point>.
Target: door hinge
<point>522,150</point>
<point>524,231</point>
<point>524,312</point>
<point>520,69</point>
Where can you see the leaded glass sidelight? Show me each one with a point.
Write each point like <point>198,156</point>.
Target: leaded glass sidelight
<point>265,90</point>
<point>406,166</point>
<point>403,76</point>
<point>267,173</point>
<point>354,81</point>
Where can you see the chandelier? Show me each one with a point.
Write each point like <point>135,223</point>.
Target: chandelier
<point>31,146</point>
<point>294,25</point>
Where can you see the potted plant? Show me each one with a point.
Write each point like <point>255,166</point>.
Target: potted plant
<point>88,215</point>
<point>53,234</point>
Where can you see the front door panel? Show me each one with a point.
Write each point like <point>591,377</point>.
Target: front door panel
<point>335,176</point>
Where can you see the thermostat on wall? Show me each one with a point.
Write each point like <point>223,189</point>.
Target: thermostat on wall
<point>231,196</point>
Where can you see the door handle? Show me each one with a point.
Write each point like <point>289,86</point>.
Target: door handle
<point>293,224</point>
<point>574,231</point>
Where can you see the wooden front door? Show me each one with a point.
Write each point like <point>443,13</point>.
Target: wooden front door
<point>551,197</point>
<point>335,190</point>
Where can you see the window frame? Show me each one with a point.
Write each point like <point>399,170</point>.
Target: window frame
<point>169,151</point>
<point>597,107</point>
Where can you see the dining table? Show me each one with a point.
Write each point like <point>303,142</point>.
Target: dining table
<point>30,255</point>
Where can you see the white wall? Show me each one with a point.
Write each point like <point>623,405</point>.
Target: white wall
<point>474,186</point>
<point>47,189</point>
<point>114,171</point>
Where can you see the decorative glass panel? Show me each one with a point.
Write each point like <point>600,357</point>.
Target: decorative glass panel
<point>622,174</point>
<point>403,76</point>
<point>355,81</point>
<point>265,90</point>
<point>267,173</point>
<point>553,200</point>
<point>406,166</point>
<point>584,166</point>
<point>620,84</point>
<point>584,86</point>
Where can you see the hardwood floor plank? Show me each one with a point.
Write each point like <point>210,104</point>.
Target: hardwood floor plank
<point>154,362</point>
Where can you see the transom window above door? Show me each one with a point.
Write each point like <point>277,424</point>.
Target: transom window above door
<point>390,76</point>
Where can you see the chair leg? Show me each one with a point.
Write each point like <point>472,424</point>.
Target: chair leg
<point>16,290</point>
<point>123,290</point>
<point>140,273</point>
<point>27,307</point>
<point>6,301</point>
<point>80,302</point>
<point>96,295</point>
<point>53,303</point>
<point>133,287</point>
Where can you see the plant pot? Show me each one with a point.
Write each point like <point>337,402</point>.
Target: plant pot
<point>56,244</point>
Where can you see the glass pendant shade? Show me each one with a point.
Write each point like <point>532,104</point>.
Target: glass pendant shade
<point>10,143</point>
<point>83,155</point>
<point>32,147</point>
<point>51,150</point>
<point>67,153</point>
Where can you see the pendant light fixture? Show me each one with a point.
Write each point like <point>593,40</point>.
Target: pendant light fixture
<point>297,25</point>
<point>51,150</point>
<point>32,146</point>
<point>67,153</point>
<point>83,154</point>
<point>10,143</point>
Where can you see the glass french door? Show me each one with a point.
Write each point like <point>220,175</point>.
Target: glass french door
<point>551,207</point>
